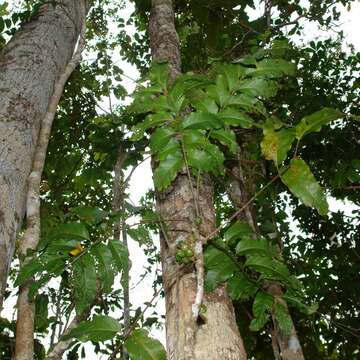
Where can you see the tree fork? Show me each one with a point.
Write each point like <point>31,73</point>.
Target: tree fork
<point>215,335</point>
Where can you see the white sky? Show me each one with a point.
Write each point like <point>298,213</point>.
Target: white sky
<point>142,180</point>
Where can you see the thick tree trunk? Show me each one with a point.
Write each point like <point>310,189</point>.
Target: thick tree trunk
<point>24,347</point>
<point>29,67</point>
<point>215,334</point>
<point>242,188</point>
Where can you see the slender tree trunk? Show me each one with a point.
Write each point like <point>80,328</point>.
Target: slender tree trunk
<point>29,67</point>
<point>215,335</point>
<point>119,188</point>
<point>285,347</point>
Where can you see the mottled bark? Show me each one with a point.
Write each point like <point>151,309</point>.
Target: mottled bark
<point>24,346</point>
<point>29,67</point>
<point>215,334</point>
<point>241,189</point>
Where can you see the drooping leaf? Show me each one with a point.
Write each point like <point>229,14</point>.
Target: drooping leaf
<point>140,234</point>
<point>75,230</point>
<point>283,318</point>
<point>255,247</point>
<point>226,137</point>
<point>238,230</point>
<point>84,282</point>
<point>160,138</point>
<point>240,287</point>
<point>261,309</point>
<point>105,260</point>
<point>119,254</point>
<point>234,117</point>
<point>315,121</point>
<point>302,183</point>
<point>272,68</point>
<point>99,328</point>
<point>259,87</point>
<point>150,121</point>
<point>201,120</point>
<point>88,213</point>
<point>269,268</point>
<point>167,170</point>
<point>219,268</point>
<point>141,346</point>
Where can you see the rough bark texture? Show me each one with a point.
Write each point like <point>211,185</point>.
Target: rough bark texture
<point>240,191</point>
<point>24,348</point>
<point>215,335</point>
<point>29,66</point>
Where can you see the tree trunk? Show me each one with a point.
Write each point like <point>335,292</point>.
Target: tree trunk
<point>215,335</point>
<point>29,67</point>
<point>241,190</point>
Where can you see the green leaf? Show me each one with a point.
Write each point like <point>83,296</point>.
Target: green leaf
<point>84,282</point>
<point>276,144</point>
<point>283,318</point>
<point>201,120</point>
<point>27,271</point>
<point>151,121</point>
<point>119,254</point>
<point>41,313</point>
<point>263,303</point>
<point>218,92</point>
<point>76,230</point>
<point>106,271</point>
<point>234,117</point>
<point>203,103</point>
<point>100,328</point>
<point>160,138</point>
<point>248,103</point>
<point>141,346</point>
<point>273,68</point>
<point>167,170</point>
<point>261,309</point>
<point>259,87</point>
<point>255,247</point>
<point>172,147</point>
<point>239,287</point>
<point>88,213</point>
<point>219,268</point>
<point>302,183</point>
<point>233,73</point>
<point>259,322</point>
<point>140,234</point>
<point>297,303</point>
<point>226,137</point>
<point>314,122</point>
<point>210,158</point>
<point>239,230</point>
<point>193,138</point>
<point>269,268</point>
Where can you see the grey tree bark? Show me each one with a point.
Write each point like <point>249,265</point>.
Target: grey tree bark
<point>216,335</point>
<point>30,64</point>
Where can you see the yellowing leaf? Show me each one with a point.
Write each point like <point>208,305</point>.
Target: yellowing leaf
<point>78,249</point>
